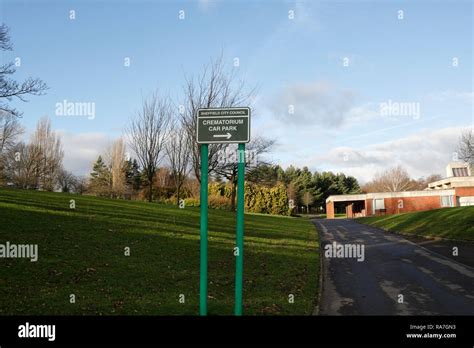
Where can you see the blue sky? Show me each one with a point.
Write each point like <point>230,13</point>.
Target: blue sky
<point>336,125</point>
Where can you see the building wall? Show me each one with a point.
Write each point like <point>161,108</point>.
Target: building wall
<point>408,204</point>
<point>464,196</point>
<point>464,191</point>
<point>395,205</point>
<point>330,210</point>
<point>368,207</point>
<point>398,205</point>
<point>349,211</point>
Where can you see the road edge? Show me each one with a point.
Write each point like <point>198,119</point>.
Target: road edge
<point>321,272</point>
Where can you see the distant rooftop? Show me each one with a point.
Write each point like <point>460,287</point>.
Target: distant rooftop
<point>457,169</point>
<point>458,174</point>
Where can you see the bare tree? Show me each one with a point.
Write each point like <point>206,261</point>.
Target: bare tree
<point>466,147</point>
<point>163,177</point>
<point>115,159</point>
<point>10,130</point>
<point>395,179</point>
<point>10,89</point>
<point>47,153</point>
<point>307,200</point>
<point>422,183</point>
<point>148,132</point>
<point>292,193</point>
<point>66,181</point>
<point>80,185</point>
<point>227,161</point>
<point>216,86</point>
<point>20,166</point>
<point>177,150</point>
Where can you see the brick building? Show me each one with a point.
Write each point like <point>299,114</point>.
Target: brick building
<point>457,189</point>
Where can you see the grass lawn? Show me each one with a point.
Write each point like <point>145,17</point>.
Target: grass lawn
<point>452,223</point>
<point>81,252</point>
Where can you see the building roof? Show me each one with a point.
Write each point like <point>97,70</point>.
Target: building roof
<point>452,182</point>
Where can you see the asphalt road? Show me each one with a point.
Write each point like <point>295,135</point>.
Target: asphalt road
<point>429,282</point>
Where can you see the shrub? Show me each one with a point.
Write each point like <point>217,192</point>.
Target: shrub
<point>257,198</point>
<point>261,199</point>
<point>219,202</point>
<point>291,211</point>
<point>162,193</point>
<point>279,200</point>
<point>216,189</point>
<point>191,202</point>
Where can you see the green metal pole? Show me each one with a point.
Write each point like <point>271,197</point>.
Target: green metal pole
<point>203,258</point>
<point>239,269</point>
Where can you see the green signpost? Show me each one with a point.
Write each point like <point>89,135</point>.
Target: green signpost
<point>203,252</point>
<point>218,126</point>
<point>239,266</point>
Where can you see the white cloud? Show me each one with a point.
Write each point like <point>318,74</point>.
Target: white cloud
<point>82,149</point>
<point>318,103</point>
<point>362,113</point>
<point>423,153</point>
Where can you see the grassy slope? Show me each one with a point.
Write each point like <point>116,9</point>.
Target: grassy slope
<point>81,251</point>
<point>452,223</point>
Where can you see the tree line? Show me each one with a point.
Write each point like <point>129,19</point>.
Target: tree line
<point>306,191</point>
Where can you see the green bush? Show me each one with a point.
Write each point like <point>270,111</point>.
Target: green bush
<point>171,201</point>
<point>219,202</point>
<point>261,199</point>
<point>257,198</point>
<point>216,189</point>
<point>191,202</point>
<point>279,202</point>
<point>228,190</point>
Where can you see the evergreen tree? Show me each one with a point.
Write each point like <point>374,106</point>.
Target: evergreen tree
<point>279,200</point>
<point>133,176</point>
<point>127,168</point>
<point>136,175</point>
<point>291,174</point>
<point>100,177</point>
